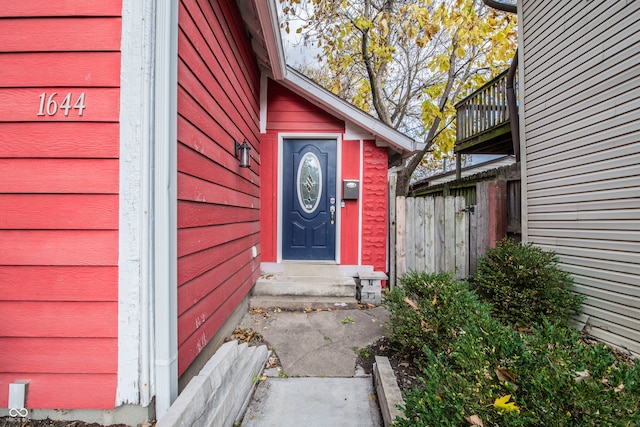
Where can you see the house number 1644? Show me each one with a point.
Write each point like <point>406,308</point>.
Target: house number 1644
<point>49,105</point>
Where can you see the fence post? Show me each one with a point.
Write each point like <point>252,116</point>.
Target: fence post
<point>461,238</point>
<point>401,266</point>
<point>391,250</point>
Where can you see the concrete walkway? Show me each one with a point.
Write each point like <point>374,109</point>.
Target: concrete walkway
<point>317,382</point>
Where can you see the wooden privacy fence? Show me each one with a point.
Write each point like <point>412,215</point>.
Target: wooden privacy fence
<point>431,234</point>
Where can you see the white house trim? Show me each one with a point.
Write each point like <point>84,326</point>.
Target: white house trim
<point>165,204</point>
<point>523,146</point>
<point>135,385</point>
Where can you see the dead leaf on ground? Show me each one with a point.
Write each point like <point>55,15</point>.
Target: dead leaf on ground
<point>619,388</point>
<point>475,421</point>
<point>259,311</point>
<point>504,375</point>
<point>581,376</point>
<point>245,335</point>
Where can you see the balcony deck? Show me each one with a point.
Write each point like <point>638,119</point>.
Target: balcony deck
<point>482,120</point>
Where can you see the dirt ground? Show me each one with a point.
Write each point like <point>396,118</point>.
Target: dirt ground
<point>404,368</point>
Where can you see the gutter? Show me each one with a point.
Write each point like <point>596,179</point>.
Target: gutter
<point>164,187</point>
<point>512,103</point>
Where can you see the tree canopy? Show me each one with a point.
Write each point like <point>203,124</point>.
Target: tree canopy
<point>404,61</point>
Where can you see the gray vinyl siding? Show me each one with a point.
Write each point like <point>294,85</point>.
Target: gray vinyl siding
<point>581,111</point>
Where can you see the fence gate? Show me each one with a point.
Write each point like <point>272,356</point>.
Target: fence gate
<point>431,234</point>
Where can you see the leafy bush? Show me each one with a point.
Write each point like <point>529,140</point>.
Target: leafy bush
<point>479,371</point>
<point>431,310</point>
<point>550,378</point>
<point>525,285</point>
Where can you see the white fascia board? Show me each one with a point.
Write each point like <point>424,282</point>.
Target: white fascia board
<point>347,112</point>
<point>268,17</point>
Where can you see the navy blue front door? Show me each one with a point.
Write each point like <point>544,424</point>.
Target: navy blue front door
<point>309,200</point>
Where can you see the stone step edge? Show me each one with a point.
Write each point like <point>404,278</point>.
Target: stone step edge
<point>293,302</point>
<point>386,386</point>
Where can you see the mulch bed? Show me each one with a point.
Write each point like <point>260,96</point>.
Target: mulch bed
<point>404,367</point>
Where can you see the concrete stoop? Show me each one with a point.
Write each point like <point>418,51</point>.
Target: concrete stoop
<point>219,394</point>
<point>315,286</point>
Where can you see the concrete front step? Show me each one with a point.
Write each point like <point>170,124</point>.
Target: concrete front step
<point>289,302</point>
<point>308,286</point>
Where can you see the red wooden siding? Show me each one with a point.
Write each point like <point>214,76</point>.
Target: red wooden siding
<point>349,237</point>
<point>218,202</point>
<point>59,182</point>
<point>288,112</point>
<point>374,207</point>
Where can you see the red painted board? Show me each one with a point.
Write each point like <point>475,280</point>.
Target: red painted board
<point>59,319</point>
<point>86,69</point>
<point>194,214</point>
<point>59,355</point>
<point>59,176</point>
<point>234,52</point>
<point>46,247</point>
<point>192,240</point>
<point>193,265</point>
<point>59,211</point>
<point>195,164</point>
<point>31,8</point>
<point>200,53</point>
<point>59,283</point>
<point>222,129</point>
<point>71,139</point>
<point>60,34</point>
<point>198,190</point>
<point>269,197</point>
<point>23,105</point>
<point>193,342</point>
<point>190,293</point>
<point>214,102</point>
<point>68,391</point>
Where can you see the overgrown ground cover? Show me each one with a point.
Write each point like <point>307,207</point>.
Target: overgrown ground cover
<point>501,352</point>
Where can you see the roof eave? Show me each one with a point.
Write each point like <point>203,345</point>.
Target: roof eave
<point>295,81</point>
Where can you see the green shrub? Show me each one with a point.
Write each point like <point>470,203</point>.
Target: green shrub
<point>525,285</point>
<point>431,310</point>
<point>552,377</point>
<point>471,361</point>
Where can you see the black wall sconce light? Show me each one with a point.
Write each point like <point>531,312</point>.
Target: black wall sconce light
<point>242,152</point>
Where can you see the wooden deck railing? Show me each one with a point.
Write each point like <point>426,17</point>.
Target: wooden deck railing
<point>484,109</point>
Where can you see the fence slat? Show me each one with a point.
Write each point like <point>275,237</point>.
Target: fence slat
<point>449,235</point>
<point>429,235</point>
<point>461,239</point>
<point>401,265</point>
<point>410,229</point>
<point>418,232</point>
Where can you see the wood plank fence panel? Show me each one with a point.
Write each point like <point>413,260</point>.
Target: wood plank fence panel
<point>432,235</point>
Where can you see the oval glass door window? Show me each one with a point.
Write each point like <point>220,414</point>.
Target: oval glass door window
<point>309,183</point>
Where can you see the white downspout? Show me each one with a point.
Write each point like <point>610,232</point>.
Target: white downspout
<point>165,205</point>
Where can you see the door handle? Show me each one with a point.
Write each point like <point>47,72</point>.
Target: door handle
<point>332,211</point>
